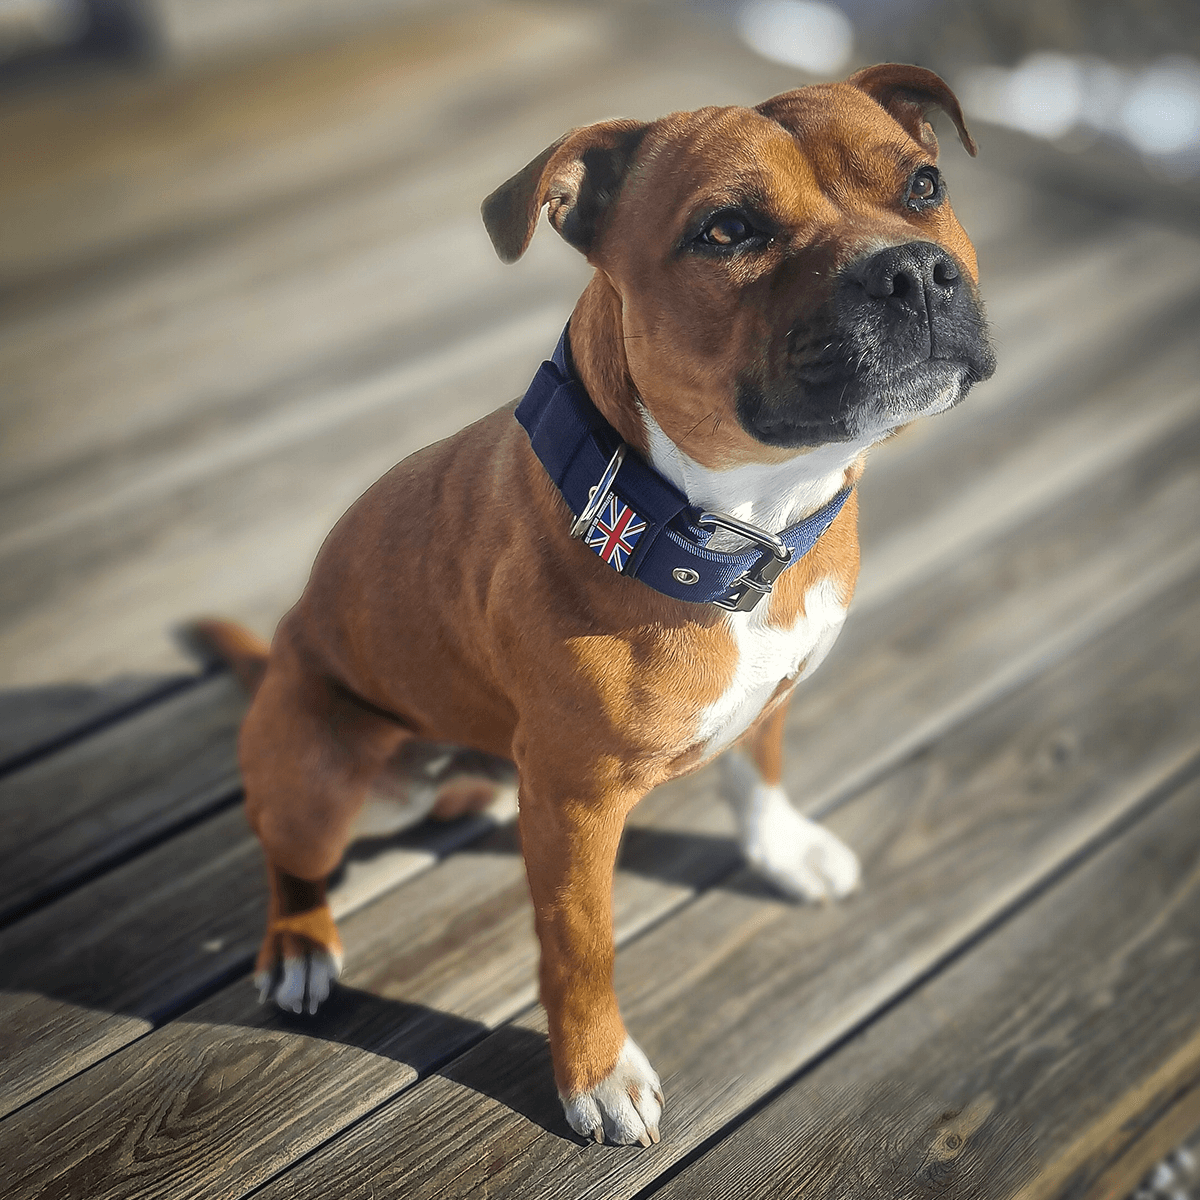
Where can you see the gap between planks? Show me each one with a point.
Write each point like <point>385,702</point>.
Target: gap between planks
<point>738,992</point>
<point>889,676</point>
<point>1021,1069</point>
<point>1107,779</point>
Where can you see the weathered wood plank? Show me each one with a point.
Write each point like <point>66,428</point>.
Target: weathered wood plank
<point>183,916</point>
<point>144,157</point>
<point>193,515</point>
<point>1160,1136</point>
<point>77,811</point>
<point>926,650</point>
<point>35,720</point>
<point>729,996</point>
<point>321,277</point>
<point>1059,415</point>
<point>738,991</point>
<point>419,950</point>
<point>1039,1054</point>
<point>174,923</point>
<point>170,381</point>
<point>44,1041</point>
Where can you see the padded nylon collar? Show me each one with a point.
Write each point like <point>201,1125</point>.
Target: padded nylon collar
<point>646,528</point>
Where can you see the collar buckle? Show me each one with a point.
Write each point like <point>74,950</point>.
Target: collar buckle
<point>749,588</point>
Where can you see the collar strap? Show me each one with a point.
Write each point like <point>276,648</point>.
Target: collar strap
<point>637,521</point>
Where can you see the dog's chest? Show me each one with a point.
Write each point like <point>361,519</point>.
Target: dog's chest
<point>767,655</point>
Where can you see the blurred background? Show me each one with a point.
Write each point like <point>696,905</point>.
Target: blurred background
<point>242,270</point>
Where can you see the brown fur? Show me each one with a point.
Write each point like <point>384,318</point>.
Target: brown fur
<point>481,622</point>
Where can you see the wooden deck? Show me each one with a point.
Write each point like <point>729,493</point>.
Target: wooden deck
<point>230,300</point>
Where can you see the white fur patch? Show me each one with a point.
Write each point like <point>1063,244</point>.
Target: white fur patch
<point>769,653</point>
<point>801,858</point>
<point>769,495</point>
<point>624,1107</point>
<point>300,984</point>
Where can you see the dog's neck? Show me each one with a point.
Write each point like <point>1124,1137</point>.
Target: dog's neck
<point>770,495</point>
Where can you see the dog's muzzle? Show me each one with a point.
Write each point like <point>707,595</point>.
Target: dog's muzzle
<point>902,336</point>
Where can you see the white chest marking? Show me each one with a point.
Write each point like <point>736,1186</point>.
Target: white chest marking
<point>773,496</point>
<point>766,654</point>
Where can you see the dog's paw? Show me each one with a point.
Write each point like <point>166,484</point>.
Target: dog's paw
<point>624,1107</point>
<point>299,960</point>
<point>299,984</point>
<point>801,858</point>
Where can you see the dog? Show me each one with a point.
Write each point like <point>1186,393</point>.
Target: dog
<point>626,574</point>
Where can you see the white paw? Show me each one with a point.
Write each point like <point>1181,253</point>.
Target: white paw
<point>624,1107</point>
<point>301,984</point>
<point>801,858</point>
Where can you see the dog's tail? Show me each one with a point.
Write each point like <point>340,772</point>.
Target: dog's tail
<point>223,643</point>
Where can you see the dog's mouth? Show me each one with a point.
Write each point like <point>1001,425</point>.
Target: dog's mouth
<point>849,407</point>
<point>882,351</point>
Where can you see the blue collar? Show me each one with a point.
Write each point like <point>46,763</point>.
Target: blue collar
<point>638,522</point>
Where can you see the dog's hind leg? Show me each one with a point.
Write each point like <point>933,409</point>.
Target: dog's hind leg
<point>802,859</point>
<point>309,755</point>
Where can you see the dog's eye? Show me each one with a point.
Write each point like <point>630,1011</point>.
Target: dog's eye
<point>924,188</point>
<point>726,229</point>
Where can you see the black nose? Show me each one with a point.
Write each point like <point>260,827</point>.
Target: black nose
<point>916,273</point>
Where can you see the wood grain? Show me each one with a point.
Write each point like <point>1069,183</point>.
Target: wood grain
<point>44,1041</point>
<point>738,991</point>
<point>1043,1050</point>
<point>442,957</point>
<point>184,472</point>
<point>920,657</point>
<point>183,916</point>
<point>92,971</point>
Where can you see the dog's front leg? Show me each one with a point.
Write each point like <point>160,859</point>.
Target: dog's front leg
<point>608,1088</point>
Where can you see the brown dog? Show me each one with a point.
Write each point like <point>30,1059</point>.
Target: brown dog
<point>775,289</point>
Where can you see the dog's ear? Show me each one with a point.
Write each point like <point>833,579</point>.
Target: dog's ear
<point>577,178</point>
<point>909,93</point>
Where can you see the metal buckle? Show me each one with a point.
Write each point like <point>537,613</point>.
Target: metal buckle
<point>757,582</point>
<point>582,525</point>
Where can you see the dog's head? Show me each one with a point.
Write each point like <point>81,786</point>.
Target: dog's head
<point>786,276</point>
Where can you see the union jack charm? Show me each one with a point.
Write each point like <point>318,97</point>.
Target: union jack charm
<point>615,533</point>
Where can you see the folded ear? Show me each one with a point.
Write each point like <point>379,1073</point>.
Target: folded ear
<point>577,178</point>
<point>909,93</point>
